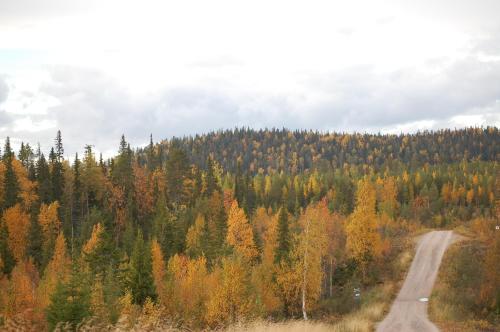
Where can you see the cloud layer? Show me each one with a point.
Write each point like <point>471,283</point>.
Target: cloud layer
<point>181,72</point>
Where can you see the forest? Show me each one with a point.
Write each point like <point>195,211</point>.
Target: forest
<point>206,231</point>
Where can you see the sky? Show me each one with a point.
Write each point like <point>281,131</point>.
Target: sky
<point>97,69</point>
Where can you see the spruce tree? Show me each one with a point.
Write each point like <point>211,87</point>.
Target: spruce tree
<point>8,260</point>
<point>11,184</point>
<point>76,211</point>
<point>70,302</point>
<point>151,154</point>
<point>250,197</point>
<point>210,181</point>
<point>35,242</point>
<point>43,178</point>
<point>140,274</point>
<point>239,190</point>
<point>122,172</point>
<point>101,164</point>
<point>57,176</point>
<point>177,172</point>
<point>104,255</point>
<point>220,231</point>
<point>282,251</point>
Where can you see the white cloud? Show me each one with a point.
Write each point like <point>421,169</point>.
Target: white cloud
<point>27,125</point>
<point>97,69</point>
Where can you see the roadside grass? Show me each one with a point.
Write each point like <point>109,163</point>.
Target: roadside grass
<point>453,303</point>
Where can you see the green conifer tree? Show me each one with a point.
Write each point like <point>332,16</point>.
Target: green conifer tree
<point>35,242</point>
<point>282,251</point>
<point>10,182</point>
<point>139,274</point>
<point>70,302</point>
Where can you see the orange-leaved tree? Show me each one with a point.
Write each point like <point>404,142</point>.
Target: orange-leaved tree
<point>188,287</point>
<point>57,270</point>
<point>18,223</point>
<point>240,234</point>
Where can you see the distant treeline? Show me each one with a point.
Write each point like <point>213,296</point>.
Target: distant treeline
<point>297,151</point>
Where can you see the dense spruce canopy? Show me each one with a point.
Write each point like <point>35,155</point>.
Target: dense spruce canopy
<point>300,150</point>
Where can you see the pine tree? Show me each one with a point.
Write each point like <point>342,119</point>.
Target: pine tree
<point>140,275</point>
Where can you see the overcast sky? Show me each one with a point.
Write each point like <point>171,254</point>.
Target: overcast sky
<point>97,69</point>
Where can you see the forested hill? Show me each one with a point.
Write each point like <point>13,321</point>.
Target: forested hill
<point>152,237</point>
<point>296,151</point>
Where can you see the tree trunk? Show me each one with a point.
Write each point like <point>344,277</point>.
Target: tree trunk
<point>304,277</point>
<point>331,276</point>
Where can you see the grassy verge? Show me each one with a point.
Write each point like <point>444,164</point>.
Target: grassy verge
<point>455,297</point>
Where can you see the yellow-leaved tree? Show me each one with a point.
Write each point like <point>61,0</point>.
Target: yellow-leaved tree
<point>240,234</point>
<point>311,247</point>
<point>188,287</point>
<point>159,271</point>
<point>263,275</point>
<point>49,221</point>
<point>363,238</point>
<point>194,237</point>
<point>92,243</point>
<point>231,297</point>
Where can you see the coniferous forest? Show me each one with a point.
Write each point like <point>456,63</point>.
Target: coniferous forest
<point>207,231</point>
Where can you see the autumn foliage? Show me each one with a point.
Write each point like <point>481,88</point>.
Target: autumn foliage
<point>219,229</point>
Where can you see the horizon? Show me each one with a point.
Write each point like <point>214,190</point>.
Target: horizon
<point>110,155</point>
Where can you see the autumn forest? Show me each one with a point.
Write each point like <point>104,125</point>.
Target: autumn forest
<point>212,230</point>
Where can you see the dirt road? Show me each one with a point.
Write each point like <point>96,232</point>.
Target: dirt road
<point>409,310</point>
